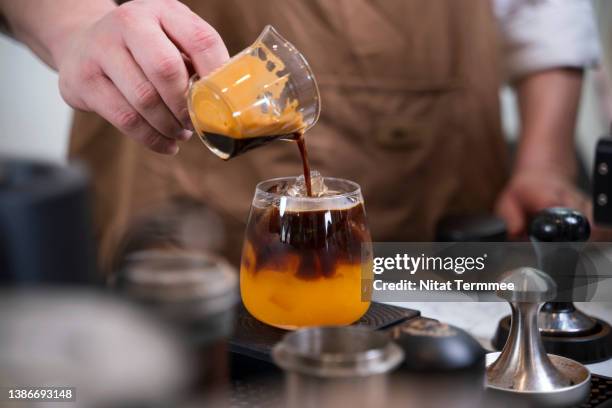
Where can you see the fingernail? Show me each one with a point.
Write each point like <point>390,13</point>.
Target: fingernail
<point>173,150</point>
<point>186,119</point>
<point>184,135</point>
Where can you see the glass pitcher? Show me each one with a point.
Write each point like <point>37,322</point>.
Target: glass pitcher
<point>264,93</point>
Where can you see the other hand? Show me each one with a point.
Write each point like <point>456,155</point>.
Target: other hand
<point>530,191</point>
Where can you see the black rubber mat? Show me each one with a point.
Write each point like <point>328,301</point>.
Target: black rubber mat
<point>255,339</point>
<point>601,392</point>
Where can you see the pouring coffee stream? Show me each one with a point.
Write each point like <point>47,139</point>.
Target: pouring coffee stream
<point>301,142</point>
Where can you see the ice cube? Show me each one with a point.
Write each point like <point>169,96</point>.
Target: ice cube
<point>280,188</point>
<point>298,189</point>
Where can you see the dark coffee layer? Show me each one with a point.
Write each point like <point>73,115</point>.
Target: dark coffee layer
<point>233,147</point>
<point>319,239</point>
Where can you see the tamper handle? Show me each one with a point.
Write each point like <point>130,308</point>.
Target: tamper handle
<point>558,235</point>
<point>559,225</point>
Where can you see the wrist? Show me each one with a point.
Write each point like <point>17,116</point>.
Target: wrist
<point>566,168</point>
<point>552,170</point>
<point>549,158</point>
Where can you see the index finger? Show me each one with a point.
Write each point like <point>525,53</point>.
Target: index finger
<point>162,64</point>
<point>195,37</point>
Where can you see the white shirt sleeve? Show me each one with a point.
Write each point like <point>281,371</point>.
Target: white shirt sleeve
<point>542,34</point>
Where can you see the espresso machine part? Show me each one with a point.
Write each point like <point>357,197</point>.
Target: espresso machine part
<point>602,182</point>
<point>197,294</point>
<point>336,366</point>
<point>45,227</point>
<point>558,236</point>
<point>109,351</point>
<point>523,370</point>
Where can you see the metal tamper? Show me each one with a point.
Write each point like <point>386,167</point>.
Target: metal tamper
<point>558,236</point>
<point>523,372</point>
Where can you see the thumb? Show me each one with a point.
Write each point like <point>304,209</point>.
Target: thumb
<point>510,210</point>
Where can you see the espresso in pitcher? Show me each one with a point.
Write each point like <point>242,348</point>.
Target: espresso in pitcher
<point>233,147</point>
<point>246,104</point>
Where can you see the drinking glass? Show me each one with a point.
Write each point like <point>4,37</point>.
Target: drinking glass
<point>304,258</point>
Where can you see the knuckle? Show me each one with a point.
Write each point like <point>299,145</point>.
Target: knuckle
<point>70,97</point>
<point>146,95</point>
<point>64,85</point>
<point>168,68</point>
<point>104,42</point>
<point>148,138</point>
<point>70,90</point>
<point>127,120</point>
<point>124,14</point>
<point>177,5</point>
<point>66,92</point>
<point>204,39</point>
<point>90,72</point>
<point>152,140</point>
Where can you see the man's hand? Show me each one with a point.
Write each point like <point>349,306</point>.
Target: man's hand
<point>531,191</point>
<point>126,63</point>
<point>129,68</point>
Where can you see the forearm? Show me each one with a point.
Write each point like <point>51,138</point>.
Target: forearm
<point>45,25</point>
<point>548,103</point>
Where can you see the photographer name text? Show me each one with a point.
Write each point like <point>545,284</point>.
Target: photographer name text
<point>434,285</point>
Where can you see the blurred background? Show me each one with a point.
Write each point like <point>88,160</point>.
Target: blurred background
<point>35,121</point>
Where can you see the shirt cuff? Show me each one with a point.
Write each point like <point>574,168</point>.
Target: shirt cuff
<point>547,35</point>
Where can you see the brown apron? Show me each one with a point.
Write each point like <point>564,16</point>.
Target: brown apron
<point>410,111</point>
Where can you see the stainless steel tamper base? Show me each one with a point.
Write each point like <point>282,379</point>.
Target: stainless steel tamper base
<point>523,368</point>
<point>565,322</point>
<point>569,396</point>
